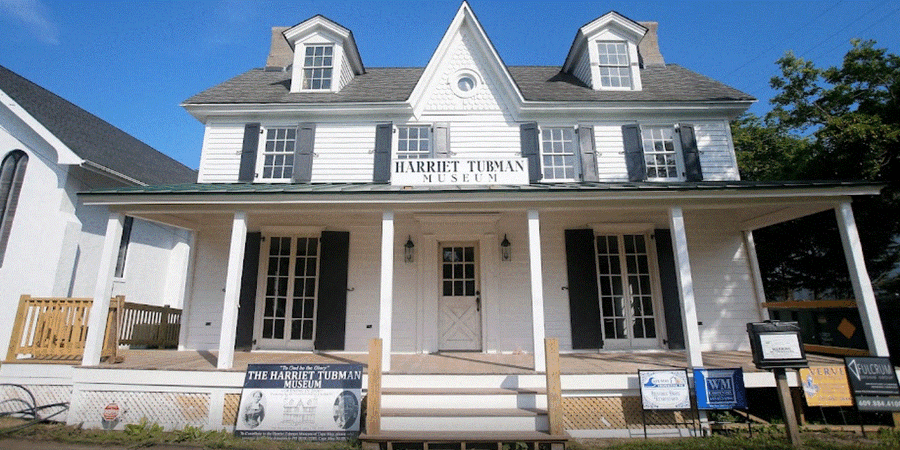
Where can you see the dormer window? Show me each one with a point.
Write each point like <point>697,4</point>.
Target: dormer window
<point>615,71</point>
<point>318,64</point>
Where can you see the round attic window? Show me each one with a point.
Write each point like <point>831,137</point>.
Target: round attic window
<point>465,83</point>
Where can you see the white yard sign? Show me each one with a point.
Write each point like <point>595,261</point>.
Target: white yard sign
<point>444,171</point>
<point>780,346</point>
<point>665,389</point>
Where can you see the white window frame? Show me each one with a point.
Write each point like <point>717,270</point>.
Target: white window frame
<point>285,343</point>
<point>576,152</point>
<point>333,67</point>
<point>626,66</point>
<point>261,153</point>
<point>676,146</point>
<point>396,138</point>
<point>646,230</point>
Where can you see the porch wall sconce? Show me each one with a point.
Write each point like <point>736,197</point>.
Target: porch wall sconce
<point>409,250</point>
<point>505,249</point>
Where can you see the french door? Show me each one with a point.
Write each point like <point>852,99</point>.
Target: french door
<point>625,282</point>
<point>289,286</point>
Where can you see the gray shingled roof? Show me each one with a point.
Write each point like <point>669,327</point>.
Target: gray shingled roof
<point>671,83</point>
<point>92,138</point>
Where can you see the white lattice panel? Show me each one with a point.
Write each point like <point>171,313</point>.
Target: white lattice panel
<point>15,398</point>
<point>171,410</point>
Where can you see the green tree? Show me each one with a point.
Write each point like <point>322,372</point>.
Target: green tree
<point>834,123</point>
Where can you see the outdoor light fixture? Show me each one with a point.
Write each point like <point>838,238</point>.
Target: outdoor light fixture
<point>505,249</point>
<point>408,250</point>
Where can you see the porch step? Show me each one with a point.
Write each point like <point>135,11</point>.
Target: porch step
<point>464,420</point>
<point>445,437</point>
<point>433,398</point>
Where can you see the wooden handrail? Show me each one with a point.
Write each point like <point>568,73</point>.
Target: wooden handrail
<point>149,325</point>
<point>56,328</point>
<point>811,304</point>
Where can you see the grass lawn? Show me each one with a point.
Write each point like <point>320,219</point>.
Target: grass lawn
<point>150,436</point>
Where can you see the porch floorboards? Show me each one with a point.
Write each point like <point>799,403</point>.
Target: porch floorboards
<point>448,362</point>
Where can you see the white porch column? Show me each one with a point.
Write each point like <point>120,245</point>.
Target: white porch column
<point>386,305</point>
<point>93,345</point>
<point>537,289</point>
<point>232,290</point>
<point>759,292</point>
<point>862,285</point>
<point>686,286</point>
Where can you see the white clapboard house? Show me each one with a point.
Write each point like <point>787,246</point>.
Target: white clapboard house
<point>50,241</point>
<point>461,212</point>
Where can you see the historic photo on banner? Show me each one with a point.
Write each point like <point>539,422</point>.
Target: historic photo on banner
<point>302,401</point>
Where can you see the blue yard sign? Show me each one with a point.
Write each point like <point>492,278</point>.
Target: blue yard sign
<point>720,388</point>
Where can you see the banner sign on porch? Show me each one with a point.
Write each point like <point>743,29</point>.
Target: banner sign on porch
<point>300,401</point>
<point>665,389</point>
<point>873,381</point>
<point>825,386</point>
<point>720,388</point>
<point>444,171</point>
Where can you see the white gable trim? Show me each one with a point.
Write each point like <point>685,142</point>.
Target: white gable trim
<point>65,155</point>
<point>464,17</point>
<point>324,25</point>
<point>612,20</point>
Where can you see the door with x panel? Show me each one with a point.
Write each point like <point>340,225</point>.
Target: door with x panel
<point>459,305</point>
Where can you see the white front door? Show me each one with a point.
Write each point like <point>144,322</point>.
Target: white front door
<point>626,294</point>
<point>286,300</point>
<point>459,304</point>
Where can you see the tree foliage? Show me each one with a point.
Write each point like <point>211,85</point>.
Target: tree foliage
<point>834,123</point>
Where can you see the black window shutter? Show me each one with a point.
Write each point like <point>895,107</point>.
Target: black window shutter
<point>584,301</point>
<point>690,153</point>
<point>441,135</point>
<point>247,299</point>
<point>634,153</point>
<point>531,150</point>
<point>303,152</point>
<point>383,141</point>
<point>248,153</point>
<point>331,314</point>
<point>668,282</point>
<point>588,153</point>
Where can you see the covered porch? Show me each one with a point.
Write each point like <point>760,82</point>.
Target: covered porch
<point>394,275</point>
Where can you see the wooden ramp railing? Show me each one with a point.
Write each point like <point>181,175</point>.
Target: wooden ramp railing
<point>149,326</point>
<point>55,329</point>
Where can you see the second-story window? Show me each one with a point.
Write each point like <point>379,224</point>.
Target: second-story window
<point>660,152</point>
<point>318,63</point>
<point>413,142</point>
<point>558,153</point>
<point>614,68</point>
<point>278,153</point>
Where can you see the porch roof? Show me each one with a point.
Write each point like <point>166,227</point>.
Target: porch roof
<point>753,204</point>
<point>307,189</point>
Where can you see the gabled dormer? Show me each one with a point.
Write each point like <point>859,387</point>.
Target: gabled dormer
<point>325,55</point>
<point>605,53</point>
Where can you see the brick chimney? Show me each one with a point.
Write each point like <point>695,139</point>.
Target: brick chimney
<point>648,49</point>
<point>280,53</point>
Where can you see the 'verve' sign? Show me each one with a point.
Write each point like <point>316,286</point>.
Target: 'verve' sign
<point>444,171</point>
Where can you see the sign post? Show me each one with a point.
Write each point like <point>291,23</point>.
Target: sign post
<point>777,346</point>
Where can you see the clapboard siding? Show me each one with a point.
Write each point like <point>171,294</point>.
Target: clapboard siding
<point>481,136</point>
<point>204,313</point>
<point>343,152</point>
<point>610,152</point>
<point>221,155</point>
<point>716,153</point>
<point>583,68</point>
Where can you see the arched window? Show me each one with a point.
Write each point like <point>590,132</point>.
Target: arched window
<point>12,172</point>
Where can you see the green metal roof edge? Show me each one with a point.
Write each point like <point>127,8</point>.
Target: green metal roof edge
<point>383,188</point>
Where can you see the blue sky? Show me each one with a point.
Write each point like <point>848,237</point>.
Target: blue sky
<point>132,63</point>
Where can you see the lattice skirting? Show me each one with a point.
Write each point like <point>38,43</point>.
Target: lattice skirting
<point>616,413</point>
<point>229,413</point>
<point>14,398</point>
<point>171,410</point>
